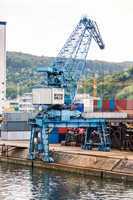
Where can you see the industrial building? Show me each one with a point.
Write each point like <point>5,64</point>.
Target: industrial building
<point>2,65</point>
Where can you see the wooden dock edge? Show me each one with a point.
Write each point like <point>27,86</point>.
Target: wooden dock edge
<point>68,168</point>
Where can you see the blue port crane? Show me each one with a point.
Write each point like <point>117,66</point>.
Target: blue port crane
<point>63,75</point>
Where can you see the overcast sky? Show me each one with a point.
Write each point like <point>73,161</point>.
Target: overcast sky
<point>41,27</point>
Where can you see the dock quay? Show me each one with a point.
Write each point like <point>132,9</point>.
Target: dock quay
<point>115,164</point>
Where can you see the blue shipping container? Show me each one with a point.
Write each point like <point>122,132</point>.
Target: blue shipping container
<point>53,138</point>
<point>99,104</point>
<point>79,107</point>
<point>112,104</point>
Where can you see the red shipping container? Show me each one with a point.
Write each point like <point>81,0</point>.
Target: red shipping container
<point>62,131</point>
<point>95,104</point>
<point>120,104</point>
<point>129,104</point>
<point>105,105</point>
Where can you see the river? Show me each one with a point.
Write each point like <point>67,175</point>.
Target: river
<point>23,183</point>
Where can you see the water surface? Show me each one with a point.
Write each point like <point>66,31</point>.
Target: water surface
<point>23,183</point>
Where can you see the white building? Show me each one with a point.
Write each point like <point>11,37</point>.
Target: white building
<point>21,104</point>
<point>2,65</point>
<point>25,103</point>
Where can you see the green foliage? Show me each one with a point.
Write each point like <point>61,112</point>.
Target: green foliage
<point>12,91</point>
<point>119,85</point>
<point>21,72</point>
<point>22,75</point>
<point>126,92</point>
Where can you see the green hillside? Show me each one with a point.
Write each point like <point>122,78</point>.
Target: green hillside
<point>22,75</point>
<point>118,85</point>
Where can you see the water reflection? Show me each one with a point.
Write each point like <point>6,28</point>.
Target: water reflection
<point>17,182</point>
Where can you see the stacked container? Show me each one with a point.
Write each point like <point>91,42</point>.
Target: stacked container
<point>15,126</point>
<point>95,104</point>
<point>120,104</point>
<point>54,136</point>
<point>99,105</point>
<point>112,104</point>
<point>105,105</point>
<point>129,104</point>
